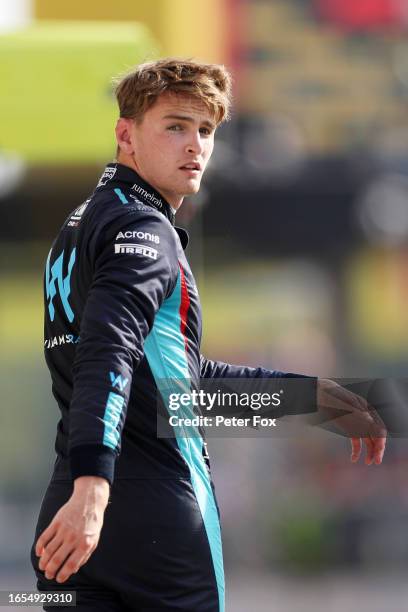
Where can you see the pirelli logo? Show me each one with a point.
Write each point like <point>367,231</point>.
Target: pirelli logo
<point>135,249</point>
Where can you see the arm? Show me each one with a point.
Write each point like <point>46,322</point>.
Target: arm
<point>348,412</point>
<point>127,290</point>
<point>219,369</point>
<point>299,390</point>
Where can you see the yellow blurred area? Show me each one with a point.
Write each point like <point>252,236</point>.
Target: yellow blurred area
<point>183,28</point>
<point>338,90</point>
<point>378,301</point>
<point>288,314</point>
<point>21,316</point>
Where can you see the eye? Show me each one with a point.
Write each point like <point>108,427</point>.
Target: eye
<point>175,128</point>
<point>205,131</point>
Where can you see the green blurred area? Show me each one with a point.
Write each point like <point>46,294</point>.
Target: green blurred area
<point>21,316</point>
<point>58,105</point>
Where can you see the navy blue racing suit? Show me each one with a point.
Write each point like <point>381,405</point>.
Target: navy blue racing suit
<point>122,314</point>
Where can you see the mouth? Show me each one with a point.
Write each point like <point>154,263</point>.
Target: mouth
<point>192,168</point>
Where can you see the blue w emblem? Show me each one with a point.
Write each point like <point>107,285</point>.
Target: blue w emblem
<point>55,275</point>
<point>118,380</point>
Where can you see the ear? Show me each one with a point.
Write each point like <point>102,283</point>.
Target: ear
<point>123,133</point>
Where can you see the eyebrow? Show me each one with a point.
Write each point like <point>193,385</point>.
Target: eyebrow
<point>209,124</point>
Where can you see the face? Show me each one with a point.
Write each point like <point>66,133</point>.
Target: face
<point>171,146</point>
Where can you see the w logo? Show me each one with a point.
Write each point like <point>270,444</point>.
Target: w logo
<point>118,381</point>
<point>56,283</point>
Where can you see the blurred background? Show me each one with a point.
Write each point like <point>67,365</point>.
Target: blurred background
<point>299,247</point>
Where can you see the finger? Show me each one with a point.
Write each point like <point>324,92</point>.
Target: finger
<point>362,402</point>
<point>379,448</point>
<point>87,557</point>
<point>374,426</point>
<point>49,550</point>
<point>357,401</point>
<point>72,564</point>
<point>45,537</point>
<point>369,451</point>
<point>380,429</point>
<point>355,449</point>
<point>57,560</point>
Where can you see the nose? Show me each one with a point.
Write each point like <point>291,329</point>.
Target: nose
<point>195,144</point>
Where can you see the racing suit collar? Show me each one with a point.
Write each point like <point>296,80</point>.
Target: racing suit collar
<point>142,190</point>
<point>183,235</point>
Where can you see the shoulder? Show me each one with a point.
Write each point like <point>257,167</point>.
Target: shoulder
<point>129,229</point>
<point>109,215</point>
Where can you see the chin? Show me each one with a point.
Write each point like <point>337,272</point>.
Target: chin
<point>192,188</point>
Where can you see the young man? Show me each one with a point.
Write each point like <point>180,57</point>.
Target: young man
<point>122,314</point>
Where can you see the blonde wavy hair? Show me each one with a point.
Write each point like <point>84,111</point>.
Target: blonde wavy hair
<point>139,89</point>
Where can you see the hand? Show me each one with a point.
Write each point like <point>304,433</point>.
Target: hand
<point>73,534</point>
<point>361,421</point>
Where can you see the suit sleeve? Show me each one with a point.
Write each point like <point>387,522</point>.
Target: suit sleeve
<point>299,391</point>
<point>219,369</point>
<point>134,270</point>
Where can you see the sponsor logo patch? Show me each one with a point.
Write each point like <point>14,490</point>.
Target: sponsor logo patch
<point>76,217</point>
<point>56,283</point>
<point>118,381</point>
<point>60,340</point>
<point>136,249</point>
<point>108,175</point>
<point>140,235</point>
<point>148,196</point>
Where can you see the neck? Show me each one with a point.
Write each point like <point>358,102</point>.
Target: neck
<point>174,200</point>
